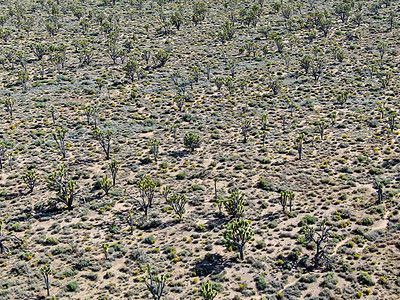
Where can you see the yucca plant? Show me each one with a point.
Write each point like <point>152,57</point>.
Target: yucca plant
<point>106,184</point>
<point>66,188</point>
<point>178,202</point>
<point>235,203</point>
<point>237,234</point>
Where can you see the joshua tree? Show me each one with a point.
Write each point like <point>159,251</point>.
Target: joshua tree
<point>245,127</point>
<point>131,69</point>
<point>274,85</point>
<point>317,68</point>
<point>147,188</point>
<point>191,141</point>
<point>216,179</point>
<point>227,32</point>
<point>106,184</point>
<point>104,137</point>
<point>52,112</point>
<point>343,10</point>
<point>146,54</point>
<point>305,63</point>
<point>23,77</point>
<point>114,167</point>
<point>59,137</point>
<point>235,203</point>
<point>265,31</point>
<point>155,284</point>
<point>321,237</point>
<point>154,145</point>
<point>105,248</point>
<point>263,132</point>
<point>278,42</point>
<point>299,143</point>
<point>285,198</point>
<point>66,188</point>
<point>4,238</point>
<point>131,220</point>
<point>382,49</point>
<point>180,101</point>
<point>9,104</point>
<point>207,291</point>
<point>392,120</point>
<point>178,202</point>
<point>39,50</point>
<point>46,271</point>
<point>160,58</point>
<point>342,97</point>
<point>237,234</point>
<point>384,78</point>
<point>177,19</point>
<point>379,189</point>
<point>4,146</point>
<point>30,178</point>
<point>321,126</point>
<point>166,192</point>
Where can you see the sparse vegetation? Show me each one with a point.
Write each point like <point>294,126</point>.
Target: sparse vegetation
<point>204,139</point>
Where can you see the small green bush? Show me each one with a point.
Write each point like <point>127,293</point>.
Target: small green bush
<point>365,279</point>
<point>261,284</point>
<point>367,221</point>
<point>181,176</point>
<point>72,286</point>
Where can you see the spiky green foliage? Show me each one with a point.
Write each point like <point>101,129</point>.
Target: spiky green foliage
<point>156,284</point>
<point>106,184</point>
<point>59,137</point>
<point>46,271</point>
<point>178,202</point>
<point>286,198</point>
<point>4,147</point>
<point>104,138</point>
<point>245,128</point>
<point>30,178</point>
<point>114,167</point>
<point>207,291</point>
<point>192,140</point>
<point>147,188</point>
<point>322,238</point>
<point>66,188</point>
<point>237,234</point>
<point>9,105</point>
<point>299,144</point>
<point>154,145</point>
<point>234,205</point>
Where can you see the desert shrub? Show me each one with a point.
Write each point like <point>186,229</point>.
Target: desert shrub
<point>91,276</point>
<point>309,278</point>
<point>149,239</point>
<point>148,224</point>
<point>308,220</point>
<point>329,280</point>
<point>181,176</point>
<point>367,221</point>
<point>20,268</point>
<point>266,185</point>
<point>192,141</point>
<point>71,286</point>
<point>273,224</point>
<point>379,209</point>
<point>261,284</point>
<point>261,245</point>
<point>365,279</point>
<point>82,264</point>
